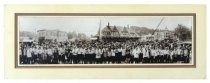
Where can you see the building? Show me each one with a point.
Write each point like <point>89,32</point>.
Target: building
<point>159,35</point>
<point>26,36</point>
<point>52,35</point>
<point>163,34</point>
<point>118,33</point>
<point>148,37</point>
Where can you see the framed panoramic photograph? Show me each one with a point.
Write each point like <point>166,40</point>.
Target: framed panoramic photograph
<point>105,41</point>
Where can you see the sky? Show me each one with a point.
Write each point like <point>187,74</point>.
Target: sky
<point>89,25</point>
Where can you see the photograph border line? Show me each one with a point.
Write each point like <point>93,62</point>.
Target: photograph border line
<point>101,65</point>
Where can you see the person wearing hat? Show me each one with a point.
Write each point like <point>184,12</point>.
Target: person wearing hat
<point>70,55</point>
<point>186,54</point>
<point>133,52</point>
<point>167,53</point>
<point>29,56</point>
<point>109,56</point>
<point>94,55</point>
<point>123,54</point>
<point>174,57</point>
<point>104,55</point>
<point>140,54</point>
<point>153,56</point>
<point>62,54</point>
<point>119,55</point>
<point>179,54</point>
<point>161,55</point>
<point>113,55</point>
<point>157,58</point>
<point>55,56</point>
<point>75,51</point>
<point>172,54</point>
<point>79,55</point>
<point>98,56</point>
<point>128,55</point>
<point>144,54</point>
<point>40,53</point>
<point>83,55</point>
<point>88,55</point>
<point>35,52</point>
<point>49,55</point>
<point>44,56</point>
<point>136,55</point>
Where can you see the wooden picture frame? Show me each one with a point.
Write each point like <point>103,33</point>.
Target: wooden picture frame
<point>197,70</point>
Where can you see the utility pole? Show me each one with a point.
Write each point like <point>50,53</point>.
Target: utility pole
<point>100,36</point>
<point>158,25</point>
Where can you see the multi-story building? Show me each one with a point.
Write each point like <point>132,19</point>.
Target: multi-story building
<point>53,35</point>
<point>163,34</point>
<point>148,37</point>
<point>26,36</point>
<point>158,35</point>
<point>117,33</point>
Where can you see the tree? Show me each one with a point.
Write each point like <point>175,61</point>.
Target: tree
<point>70,35</point>
<point>183,32</point>
<point>142,30</point>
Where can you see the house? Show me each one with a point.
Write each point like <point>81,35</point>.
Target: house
<point>148,37</point>
<point>52,35</point>
<point>117,33</point>
<point>163,34</point>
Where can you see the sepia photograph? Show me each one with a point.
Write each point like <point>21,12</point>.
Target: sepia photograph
<point>105,41</point>
<point>118,39</point>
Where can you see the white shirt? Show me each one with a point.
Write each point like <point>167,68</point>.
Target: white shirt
<point>185,52</point>
<point>61,51</point>
<point>83,51</point>
<point>40,51</point>
<point>109,53</point>
<point>175,51</point>
<point>98,53</point>
<point>79,51</point>
<point>49,51</point>
<point>190,55</point>
<point>45,51</point>
<point>25,52</point>
<point>161,52</point>
<point>136,54</point>
<point>144,52</point>
<point>166,52</point>
<point>35,51</point>
<point>88,51</point>
<point>74,51</point>
<point>179,51</point>
<point>172,53</point>
<point>119,50</point>
<point>92,51</point>
<point>29,53</point>
<point>153,52</point>
<point>113,53</point>
<point>123,52</point>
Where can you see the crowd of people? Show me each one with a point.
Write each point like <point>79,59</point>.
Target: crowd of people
<point>107,52</point>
